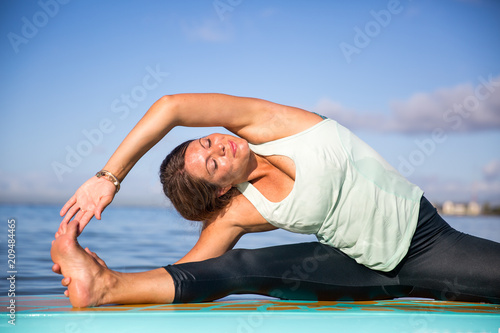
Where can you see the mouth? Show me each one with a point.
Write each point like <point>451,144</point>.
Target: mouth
<point>233,147</point>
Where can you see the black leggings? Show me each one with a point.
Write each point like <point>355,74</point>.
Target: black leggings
<point>441,263</point>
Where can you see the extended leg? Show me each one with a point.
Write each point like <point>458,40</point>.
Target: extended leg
<point>307,271</point>
<point>442,263</point>
<point>91,283</point>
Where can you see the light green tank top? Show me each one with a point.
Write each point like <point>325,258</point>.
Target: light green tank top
<point>345,193</point>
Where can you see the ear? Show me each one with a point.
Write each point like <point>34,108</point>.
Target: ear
<point>224,190</point>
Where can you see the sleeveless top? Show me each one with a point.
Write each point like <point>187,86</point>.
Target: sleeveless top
<point>345,193</point>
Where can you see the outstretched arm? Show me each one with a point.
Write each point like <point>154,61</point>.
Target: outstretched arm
<point>214,241</point>
<point>222,234</point>
<point>253,119</point>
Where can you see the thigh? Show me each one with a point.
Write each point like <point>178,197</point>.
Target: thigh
<point>455,266</point>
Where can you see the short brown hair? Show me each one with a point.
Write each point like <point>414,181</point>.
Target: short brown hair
<point>194,198</point>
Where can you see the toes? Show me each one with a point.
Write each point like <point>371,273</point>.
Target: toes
<point>100,261</point>
<point>72,228</point>
<point>96,257</point>
<point>65,282</point>
<point>66,293</point>
<point>56,268</point>
<point>62,229</point>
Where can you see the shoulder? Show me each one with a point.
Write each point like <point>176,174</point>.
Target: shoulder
<point>240,214</point>
<point>279,121</point>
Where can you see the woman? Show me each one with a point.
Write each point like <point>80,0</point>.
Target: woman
<point>286,168</point>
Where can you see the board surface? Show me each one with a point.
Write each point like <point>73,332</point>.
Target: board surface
<point>55,314</point>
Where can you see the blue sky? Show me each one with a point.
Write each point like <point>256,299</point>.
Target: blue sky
<point>418,80</point>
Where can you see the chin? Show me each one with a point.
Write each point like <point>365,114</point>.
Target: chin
<point>244,148</point>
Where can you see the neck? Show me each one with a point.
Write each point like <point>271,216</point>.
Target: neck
<point>259,167</point>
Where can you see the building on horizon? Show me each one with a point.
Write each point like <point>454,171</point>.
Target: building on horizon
<point>451,208</point>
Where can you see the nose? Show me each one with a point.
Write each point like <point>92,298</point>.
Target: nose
<point>219,149</point>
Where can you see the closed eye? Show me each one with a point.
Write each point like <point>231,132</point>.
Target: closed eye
<point>207,144</point>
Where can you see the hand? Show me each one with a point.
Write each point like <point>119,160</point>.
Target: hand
<point>88,201</point>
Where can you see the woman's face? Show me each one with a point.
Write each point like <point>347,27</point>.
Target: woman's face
<point>220,159</point>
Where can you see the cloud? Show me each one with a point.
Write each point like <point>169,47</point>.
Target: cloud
<point>438,190</point>
<point>464,108</point>
<point>461,108</point>
<point>348,117</point>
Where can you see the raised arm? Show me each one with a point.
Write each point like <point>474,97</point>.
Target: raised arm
<point>240,115</point>
<point>253,119</point>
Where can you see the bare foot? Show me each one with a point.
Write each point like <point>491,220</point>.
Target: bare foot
<point>86,275</point>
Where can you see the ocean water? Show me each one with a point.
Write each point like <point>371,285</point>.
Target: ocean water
<point>132,240</point>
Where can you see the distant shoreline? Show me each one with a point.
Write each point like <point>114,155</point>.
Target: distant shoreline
<point>465,215</point>
<point>485,209</point>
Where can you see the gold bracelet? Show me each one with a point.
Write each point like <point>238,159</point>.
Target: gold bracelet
<point>109,176</point>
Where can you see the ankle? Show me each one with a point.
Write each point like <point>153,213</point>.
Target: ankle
<point>109,287</point>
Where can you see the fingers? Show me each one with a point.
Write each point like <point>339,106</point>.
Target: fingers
<point>70,213</point>
<point>82,216</point>
<point>98,212</point>
<point>84,220</point>
<point>67,205</point>
<point>103,203</point>
<point>79,215</point>
<point>81,226</point>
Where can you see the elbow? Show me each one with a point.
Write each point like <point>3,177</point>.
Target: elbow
<point>168,105</point>
<point>167,100</point>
